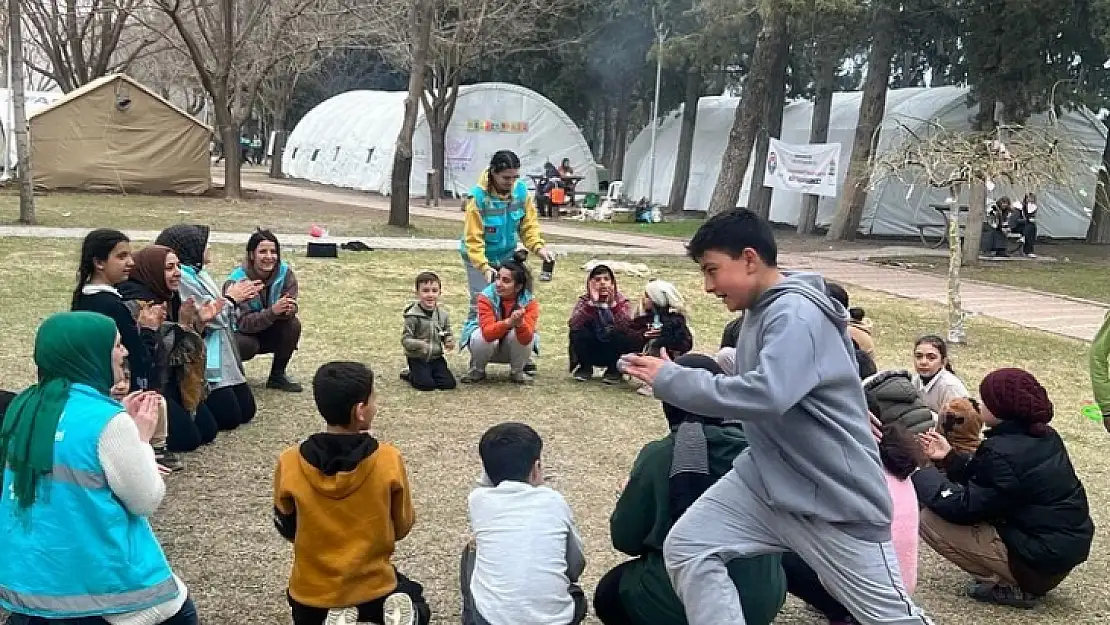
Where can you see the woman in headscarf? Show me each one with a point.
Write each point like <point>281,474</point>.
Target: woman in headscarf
<point>267,323</point>
<point>177,357</point>
<point>599,328</point>
<point>667,477</point>
<point>1013,515</point>
<point>229,397</point>
<point>500,213</point>
<point>79,482</point>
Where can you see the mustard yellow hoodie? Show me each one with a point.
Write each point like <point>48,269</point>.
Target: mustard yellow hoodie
<point>474,230</point>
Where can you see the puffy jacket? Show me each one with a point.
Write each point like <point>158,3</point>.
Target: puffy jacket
<point>1023,485</point>
<point>425,332</point>
<point>898,400</point>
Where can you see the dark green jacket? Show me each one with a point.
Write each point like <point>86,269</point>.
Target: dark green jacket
<point>425,332</point>
<point>642,520</point>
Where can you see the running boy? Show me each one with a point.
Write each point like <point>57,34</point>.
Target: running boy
<point>342,498</point>
<point>524,564</point>
<point>427,337</point>
<point>811,481</point>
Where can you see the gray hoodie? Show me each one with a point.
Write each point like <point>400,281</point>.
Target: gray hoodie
<point>796,387</point>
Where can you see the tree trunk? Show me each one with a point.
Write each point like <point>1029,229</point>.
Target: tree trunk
<point>776,101</point>
<point>233,153</point>
<point>745,126</point>
<point>827,63</point>
<point>19,119</point>
<point>607,138</point>
<point>421,27</point>
<point>973,234</point>
<point>681,180</point>
<point>1099,232</point>
<point>620,139</point>
<point>956,331</point>
<point>849,213</point>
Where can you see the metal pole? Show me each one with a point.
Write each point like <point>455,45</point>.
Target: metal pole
<point>660,36</point>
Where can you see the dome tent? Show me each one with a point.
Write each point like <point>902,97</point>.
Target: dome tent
<point>893,207</point>
<point>349,140</point>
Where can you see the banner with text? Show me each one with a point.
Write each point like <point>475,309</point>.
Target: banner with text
<point>803,168</point>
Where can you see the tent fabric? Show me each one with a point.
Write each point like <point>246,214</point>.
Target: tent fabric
<point>87,141</point>
<point>894,207</point>
<point>350,139</point>
<point>35,102</point>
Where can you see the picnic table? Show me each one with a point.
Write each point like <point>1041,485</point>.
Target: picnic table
<point>945,211</point>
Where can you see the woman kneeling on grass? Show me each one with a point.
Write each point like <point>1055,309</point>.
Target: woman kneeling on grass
<point>79,482</point>
<point>267,323</point>
<point>505,330</point>
<point>229,398</point>
<point>668,475</point>
<point>1014,515</point>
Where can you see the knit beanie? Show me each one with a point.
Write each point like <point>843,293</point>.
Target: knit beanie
<point>1015,395</point>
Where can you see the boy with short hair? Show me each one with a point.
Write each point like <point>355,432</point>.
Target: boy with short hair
<point>427,337</point>
<point>524,563</point>
<point>343,500</point>
<point>811,481</point>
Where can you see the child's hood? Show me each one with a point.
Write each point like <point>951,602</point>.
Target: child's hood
<point>337,464</point>
<point>809,285</point>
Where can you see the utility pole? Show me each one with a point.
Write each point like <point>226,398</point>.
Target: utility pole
<point>660,37</point>
<point>19,117</point>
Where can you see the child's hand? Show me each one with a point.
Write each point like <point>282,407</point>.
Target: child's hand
<point>934,445</point>
<point>449,343</point>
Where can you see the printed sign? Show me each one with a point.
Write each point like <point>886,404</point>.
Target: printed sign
<point>478,125</point>
<point>803,168</point>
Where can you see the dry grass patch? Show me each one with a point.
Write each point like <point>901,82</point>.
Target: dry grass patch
<point>216,522</point>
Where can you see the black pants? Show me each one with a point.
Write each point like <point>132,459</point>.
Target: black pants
<point>588,350</point>
<point>279,339</point>
<point>371,611</point>
<point>232,406</point>
<point>187,432</point>
<point>607,598</point>
<point>803,583</point>
<point>430,375</point>
<point>1028,230</point>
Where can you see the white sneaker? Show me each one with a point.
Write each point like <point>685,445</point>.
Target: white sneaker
<point>342,616</point>
<point>398,610</point>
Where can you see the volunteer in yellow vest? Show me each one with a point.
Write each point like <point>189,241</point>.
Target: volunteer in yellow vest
<point>499,214</point>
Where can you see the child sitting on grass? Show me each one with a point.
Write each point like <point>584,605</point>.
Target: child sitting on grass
<point>661,322</point>
<point>427,337</point>
<point>343,500</point>
<point>168,462</point>
<point>523,566</point>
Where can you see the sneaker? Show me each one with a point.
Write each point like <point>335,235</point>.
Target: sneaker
<point>521,378</point>
<point>530,368</point>
<point>612,376</point>
<point>405,374</point>
<point>342,616</point>
<point>999,594</point>
<point>168,459</point>
<point>584,373</point>
<point>398,610</point>
<point>473,376</point>
<point>282,382</point>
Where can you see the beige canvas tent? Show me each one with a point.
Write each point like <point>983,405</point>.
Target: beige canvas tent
<point>114,134</point>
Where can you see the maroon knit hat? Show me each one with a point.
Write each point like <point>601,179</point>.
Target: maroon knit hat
<point>1015,395</point>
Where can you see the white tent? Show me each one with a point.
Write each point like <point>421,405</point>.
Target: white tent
<point>349,140</point>
<point>36,101</point>
<point>892,207</point>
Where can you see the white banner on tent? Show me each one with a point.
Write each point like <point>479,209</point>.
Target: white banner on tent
<point>803,168</point>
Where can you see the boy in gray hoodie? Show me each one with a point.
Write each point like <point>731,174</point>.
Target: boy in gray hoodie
<point>810,481</point>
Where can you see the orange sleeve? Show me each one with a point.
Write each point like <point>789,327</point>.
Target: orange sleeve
<point>492,329</point>
<point>401,509</point>
<point>526,332</point>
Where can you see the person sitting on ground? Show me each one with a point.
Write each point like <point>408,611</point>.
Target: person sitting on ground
<point>897,401</point>
<point>901,456</point>
<point>599,327</point>
<point>79,464</point>
<point>668,475</point>
<point>505,330</point>
<point>661,321</point>
<point>343,499</point>
<point>859,326</point>
<point>1014,515</point>
<point>526,556</point>
<point>230,399</point>
<point>934,377</point>
<point>995,241</point>
<point>177,353</point>
<point>267,323</point>
<point>962,425</point>
<point>427,337</point>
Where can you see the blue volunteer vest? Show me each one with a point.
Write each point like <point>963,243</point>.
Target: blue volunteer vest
<point>275,291</point>
<point>77,551</point>
<point>500,221</point>
<point>490,293</point>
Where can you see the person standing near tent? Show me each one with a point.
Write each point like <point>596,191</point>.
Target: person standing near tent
<point>499,213</point>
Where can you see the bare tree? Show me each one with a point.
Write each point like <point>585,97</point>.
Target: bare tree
<point>420,27</point>
<point>170,73</point>
<point>82,40</point>
<point>19,120</point>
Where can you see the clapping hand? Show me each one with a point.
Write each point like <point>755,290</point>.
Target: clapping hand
<point>244,290</point>
<point>210,310</point>
<point>934,445</point>
<point>516,317</point>
<point>151,316</point>
<point>285,306</point>
<point>143,408</point>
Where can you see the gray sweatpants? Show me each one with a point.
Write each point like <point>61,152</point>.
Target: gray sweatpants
<point>507,351</point>
<point>475,282</point>
<point>729,521</point>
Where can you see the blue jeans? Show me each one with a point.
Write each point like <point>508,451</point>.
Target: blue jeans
<point>187,615</point>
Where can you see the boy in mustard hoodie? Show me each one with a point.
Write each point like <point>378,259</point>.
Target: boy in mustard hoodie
<point>343,500</point>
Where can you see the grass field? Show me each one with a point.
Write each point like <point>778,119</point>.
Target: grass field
<point>215,523</point>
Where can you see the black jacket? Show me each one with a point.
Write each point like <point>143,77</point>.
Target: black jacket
<point>138,341</point>
<point>1025,487</point>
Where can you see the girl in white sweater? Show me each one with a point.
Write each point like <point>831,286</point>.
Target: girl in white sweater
<point>934,377</point>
